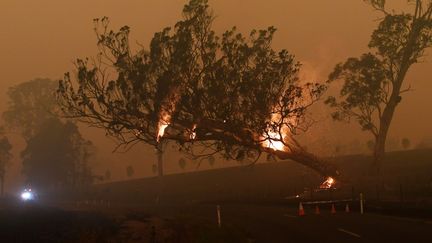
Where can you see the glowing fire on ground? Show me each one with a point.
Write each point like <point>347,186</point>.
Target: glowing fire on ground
<point>328,183</point>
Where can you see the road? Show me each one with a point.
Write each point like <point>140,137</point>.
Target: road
<point>240,223</point>
<point>281,224</point>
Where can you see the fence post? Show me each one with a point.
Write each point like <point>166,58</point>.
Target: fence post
<point>361,203</point>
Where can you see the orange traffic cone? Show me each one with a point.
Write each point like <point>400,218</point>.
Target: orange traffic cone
<point>347,209</point>
<point>317,211</point>
<point>301,210</point>
<point>333,209</point>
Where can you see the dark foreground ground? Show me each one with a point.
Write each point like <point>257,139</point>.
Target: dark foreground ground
<point>198,223</point>
<point>258,204</point>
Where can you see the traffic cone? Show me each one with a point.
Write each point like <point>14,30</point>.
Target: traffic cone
<point>317,211</point>
<point>333,209</point>
<point>301,210</point>
<point>347,209</point>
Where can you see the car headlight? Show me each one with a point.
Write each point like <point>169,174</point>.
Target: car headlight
<point>27,195</point>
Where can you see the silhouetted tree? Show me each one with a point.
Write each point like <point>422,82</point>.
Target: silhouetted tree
<point>55,152</point>
<point>5,156</point>
<point>130,171</point>
<point>406,143</point>
<point>373,82</point>
<point>31,104</point>
<point>57,155</point>
<point>230,94</point>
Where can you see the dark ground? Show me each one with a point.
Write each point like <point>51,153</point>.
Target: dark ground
<point>254,206</point>
<point>197,223</point>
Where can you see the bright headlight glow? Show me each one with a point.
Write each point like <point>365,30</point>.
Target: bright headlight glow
<point>27,195</point>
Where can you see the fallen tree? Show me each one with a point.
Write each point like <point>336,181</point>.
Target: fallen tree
<point>230,95</point>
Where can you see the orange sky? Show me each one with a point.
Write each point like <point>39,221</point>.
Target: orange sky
<point>41,39</point>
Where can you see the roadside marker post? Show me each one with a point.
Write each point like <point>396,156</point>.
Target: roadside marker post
<point>361,203</point>
<point>218,216</point>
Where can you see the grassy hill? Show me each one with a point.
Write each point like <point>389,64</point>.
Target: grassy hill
<point>407,176</point>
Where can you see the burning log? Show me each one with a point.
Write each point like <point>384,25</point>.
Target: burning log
<point>210,130</point>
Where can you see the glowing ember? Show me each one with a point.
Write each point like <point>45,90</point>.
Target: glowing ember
<point>327,184</point>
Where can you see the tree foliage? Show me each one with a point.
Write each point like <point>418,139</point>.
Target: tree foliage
<point>31,104</point>
<point>373,83</point>
<point>57,155</point>
<point>363,93</point>
<point>226,94</point>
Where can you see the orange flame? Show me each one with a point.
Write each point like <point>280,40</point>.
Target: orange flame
<point>328,183</point>
<point>162,125</point>
<point>274,141</point>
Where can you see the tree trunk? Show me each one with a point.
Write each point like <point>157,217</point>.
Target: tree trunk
<point>324,168</point>
<point>395,98</point>
<point>160,161</point>
<point>385,121</point>
<point>160,173</point>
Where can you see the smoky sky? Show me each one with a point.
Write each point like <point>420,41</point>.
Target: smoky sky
<point>42,38</point>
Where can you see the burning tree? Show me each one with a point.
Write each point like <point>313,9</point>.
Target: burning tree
<point>373,83</point>
<point>231,94</point>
